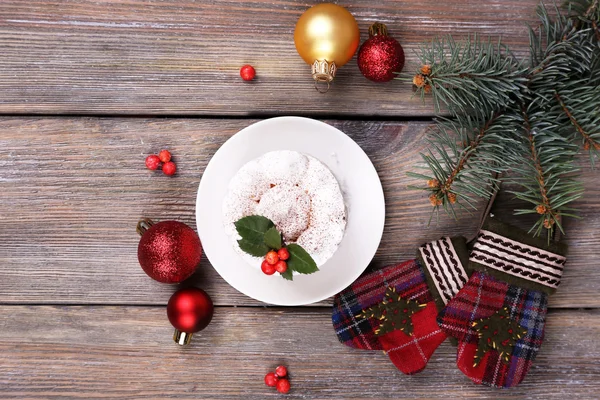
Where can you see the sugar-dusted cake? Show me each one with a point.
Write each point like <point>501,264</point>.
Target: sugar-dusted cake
<point>295,191</point>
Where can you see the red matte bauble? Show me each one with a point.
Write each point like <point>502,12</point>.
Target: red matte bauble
<point>169,251</point>
<point>381,56</point>
<point>190,310</point>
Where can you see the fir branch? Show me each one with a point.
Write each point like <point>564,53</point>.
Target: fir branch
<point>468,77</point>
<point>465,153</point>
<point>545,170</point>
<point>591,140</point>
<point>537,112</point>
<point>470,150</point>
<point>592,9</point>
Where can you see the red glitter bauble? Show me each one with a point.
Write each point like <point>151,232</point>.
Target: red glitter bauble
<point>169,251</point>
<point>381,55</point>
<point>190,310</point>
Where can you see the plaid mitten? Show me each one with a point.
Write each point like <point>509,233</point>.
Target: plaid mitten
<point>394,309</point>
<point>499,316</point>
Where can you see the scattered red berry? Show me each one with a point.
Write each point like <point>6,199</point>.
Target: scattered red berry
<point>283,386</point>
<point>281,371</point>
<point>272,257</point>
<point>271,379</point>
<point>247,72</point>
<point>283,254</point>
<point>268,269</point>
<point>165,156</point>
<point>281,267</point>
<point>169,168</point>
<point>152,162</point>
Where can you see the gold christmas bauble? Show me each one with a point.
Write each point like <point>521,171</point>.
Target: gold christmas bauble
<point>326,37</point>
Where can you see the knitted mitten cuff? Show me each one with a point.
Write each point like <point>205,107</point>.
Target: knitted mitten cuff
<point>509,254</point>
<point>446,267</point>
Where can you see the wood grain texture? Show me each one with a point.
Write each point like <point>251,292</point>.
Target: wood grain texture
<point>128,353</point>
<point>73,189</point>
<point>182,57</point>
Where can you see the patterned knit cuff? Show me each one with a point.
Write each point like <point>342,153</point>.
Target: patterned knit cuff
<point>445,264</point>
<point>512,255</point>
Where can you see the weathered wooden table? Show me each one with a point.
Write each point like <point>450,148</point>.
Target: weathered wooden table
<point>88,88</point>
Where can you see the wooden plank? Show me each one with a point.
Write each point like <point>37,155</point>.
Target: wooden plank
<point>182,57</point>
<point>73,190</point>
<point>128,353</point>
<point>77,187</point>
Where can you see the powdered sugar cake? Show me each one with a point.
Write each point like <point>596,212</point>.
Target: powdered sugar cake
<point>295,191</point>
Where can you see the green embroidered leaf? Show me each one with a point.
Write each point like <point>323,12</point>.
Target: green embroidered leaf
<point>252,229</point>
<point>497,332</point>
<point>288,275</point>
<point>300,261</point>
<point>272,238</point>
<point>252,248</point>
<point>393,313</point>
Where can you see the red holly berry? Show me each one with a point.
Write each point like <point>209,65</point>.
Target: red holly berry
<point>283,386</point>
<point>281,267</point>
<point>283,254</point>
<point>281,371</point>
<point>272,257</point>
<point>169,168</point>
<point>165,156</point>
<point>267,269</point>
<point>152,162</point>
<point>247,72</point>
<point>271,379</point>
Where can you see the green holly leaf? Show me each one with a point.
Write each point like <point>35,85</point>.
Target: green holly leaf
<point>288,274</point>
<point>272,238</point>
<point>252,248</point>
<point>300,261</point>
<point>252,229</point>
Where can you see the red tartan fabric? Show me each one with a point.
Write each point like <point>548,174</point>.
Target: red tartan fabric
<point>409,353</point>
<point>481,297</point>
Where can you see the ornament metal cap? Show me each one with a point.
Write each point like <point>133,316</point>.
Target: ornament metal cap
<point>378,29</point>
<point>182,338</point>
<point>143,225</point>
<point>323,71</point>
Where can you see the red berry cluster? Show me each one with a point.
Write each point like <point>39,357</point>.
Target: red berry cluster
<point>278,379</point>
<point>153,162</point>
<point>275,261</point>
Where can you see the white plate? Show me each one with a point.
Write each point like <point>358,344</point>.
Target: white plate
<point>360,185</point>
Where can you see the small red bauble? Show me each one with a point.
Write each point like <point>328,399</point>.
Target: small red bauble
<point>152,162</point>
<point>169,168</point>
<point>267,269</point>
<point>381,55</point>
<point>272,257</point>
<point>281,371</point>
<point>283,254</point>
<point>247,72</point>
<point>189,310</point>
<point>281,266</point>
<point>271,379</point>
<point>164,155</point>
<point>283,386</point>
<point>168,251</point>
